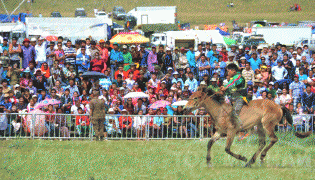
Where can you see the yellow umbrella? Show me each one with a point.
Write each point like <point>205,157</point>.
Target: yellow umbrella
<point>129,38</point>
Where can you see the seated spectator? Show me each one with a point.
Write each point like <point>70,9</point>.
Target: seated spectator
<point>139,124</point>
<point>111,123</point>
<point>50,121</point>
<point>180,122</point>
<point>125,123</point>
<point>308,99</point>
<point>76,106</point>
<point>82,123</point>
<point>121,72</point>
<point>285,98</point>
<point>279,72</point>
<point>98,64</point>
<point>61,121</point>
<point>83,60</point>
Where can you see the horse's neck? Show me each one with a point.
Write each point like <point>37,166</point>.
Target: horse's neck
<point>212,107</point>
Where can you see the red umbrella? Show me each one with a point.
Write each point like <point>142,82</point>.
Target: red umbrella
<point>160,104</point>
<point>51,38</point>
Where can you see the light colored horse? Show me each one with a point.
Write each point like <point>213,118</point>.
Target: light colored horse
<point>265,114</point>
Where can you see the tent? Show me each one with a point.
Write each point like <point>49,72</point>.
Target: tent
<point>129,38</point>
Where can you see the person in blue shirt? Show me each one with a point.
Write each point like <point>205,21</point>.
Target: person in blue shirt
<point>191,82</point>
<point>116,59</point>
<point>6,103</point>
<point>42,96</point>
<point>211,53</point>
<point>190,55</point>
<point>254,61</point>
<point>143,55</point>
<point>218,67</point>
<point>5,44</point>
<point>83,60</point>
<point>167,60</point>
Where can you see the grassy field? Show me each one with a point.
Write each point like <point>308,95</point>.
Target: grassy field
<point>290,158</point>
<point>197,12</point>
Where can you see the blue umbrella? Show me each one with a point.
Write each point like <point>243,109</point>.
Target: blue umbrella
<point>93,74</point>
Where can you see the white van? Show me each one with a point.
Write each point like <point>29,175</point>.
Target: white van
<point>310,42</point>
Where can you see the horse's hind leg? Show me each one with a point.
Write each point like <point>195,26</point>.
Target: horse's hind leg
<point>270,130</point>
<point>262,143</point>
<point>213,139</point>
<point>229,141</point>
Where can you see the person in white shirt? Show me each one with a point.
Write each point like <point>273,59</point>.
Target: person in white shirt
<point>130,82</point>
<point>40,50</point>
<point>294,58</point>
<point>87,51</point>
<point>139,124</point>
<point>74,108</point>
<point>279,72</point>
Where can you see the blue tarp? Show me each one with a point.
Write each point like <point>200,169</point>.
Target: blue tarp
<point>5,19</point>
<point>313,31</point>
<point>223,33</point>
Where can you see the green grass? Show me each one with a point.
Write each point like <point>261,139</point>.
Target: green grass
<point>290,158</point>
<point>197,12</point>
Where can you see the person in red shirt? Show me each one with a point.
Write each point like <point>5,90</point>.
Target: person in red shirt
<point>125,123</point>
<point>82,123</point>
<point>97,64</point>
<point>136,88</point>
<point>162,86</point>
<point>224,54</point>
<point>122,72</point>
<point>136,73</point>
<point>103,50</point>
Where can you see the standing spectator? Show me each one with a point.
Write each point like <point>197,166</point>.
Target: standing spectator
<point>191,58</point>
<point>15,51</point>
<point>198,53</point>
<point>160,55</point>
<point>279,72</point>
<point>104,52</point>
<point>97,108</point>
<point>4,45</point>
<point>285,98</point>
<point>14,74</point>
<point>288,66</point>
<point>83,60</point>
<point>152,59</point>
<point>139,124</point>
<point>140,106</point>
<point>248,73</point>
<point>191,82</point>
<point>50,54</point>
<point>143,55</point>
<point>203,66</point>
<point>308,99</point>
<point>87,48</point>
<point>175,58</point>
<point>255,62</point>
<point>93,49</point>
<point>70,53</point>
<point>284,51</point>
<point>40,50</point>
<point>127,58</point>
<point>60,54</point>
<point>296,90</point>
<point>28,53</point>
<point>115,59</point>
<point>125,123</point>
<point>167,60</point>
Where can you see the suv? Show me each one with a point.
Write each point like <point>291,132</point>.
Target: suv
<point>119,13</point>
<point>80,12</point>
<point>55,14</point>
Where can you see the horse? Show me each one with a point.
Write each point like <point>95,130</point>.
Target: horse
<point>263,113</point>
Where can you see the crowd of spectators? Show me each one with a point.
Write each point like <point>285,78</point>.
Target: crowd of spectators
<point>38,69</point>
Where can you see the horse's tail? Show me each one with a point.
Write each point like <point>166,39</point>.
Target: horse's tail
<point>288,117</point>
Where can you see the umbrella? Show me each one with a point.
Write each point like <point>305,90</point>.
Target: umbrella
<point>93,74</point>
<point>51,38</point>
<point>36,123</point>
<point>47,102</point>
<point>160,104</point>
<point>229,41</point>
<point>136,95</point>
<point>129,38</point>
<point>180,103</point>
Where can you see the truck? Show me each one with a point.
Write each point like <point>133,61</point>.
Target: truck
<point>11,30</point>
<point>154,15</point>
<point>287,35</point>
<point>188,38</point>
<point>69,28</point>
<point>310,42</point>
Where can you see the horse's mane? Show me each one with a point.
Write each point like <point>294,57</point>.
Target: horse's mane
<point>215,96</point>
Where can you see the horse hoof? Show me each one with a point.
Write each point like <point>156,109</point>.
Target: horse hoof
<point>248,165</point>
<point>243,159</point>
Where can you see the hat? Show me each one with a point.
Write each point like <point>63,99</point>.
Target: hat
<point>5,39</point>
<point>253,52</point>
<point>271,83</point>
<point>6,95</point>
<point>250,83</point>
<point>213,79</point>
<point>26,40</point>
<point>121,88</point>
<point>169,68</point>
<point>294,52</point>
<point>124,47</point>
<point>34,96</point>
<point>102,41</point>
<point>242,58</point>
<point>240,47</point>
<point>203,83</point>
<point>163,82</point>
<point>33,39</point>
<point>17,85</point>
<point>230,54</point>
<point>41,38</point>
<point>176,48</point>
<point>124,110</point>
<point>167,49</point>
<point>296,76</point>
<point>173,88</point>
<point>162,95</point>
<point>263,67</point>
<point>186,85</point>
<point>154,46</point>
<point>111,110</point>
<point>115,43</point>
<point>259,47</point>
<point>175,73</point>
<point>132,46</point>
<point>279,91</point>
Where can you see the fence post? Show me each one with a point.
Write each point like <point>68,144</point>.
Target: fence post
<point>147,130</point>
<point>201,127</point>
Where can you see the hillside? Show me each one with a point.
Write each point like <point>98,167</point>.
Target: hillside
<point>197,12</point>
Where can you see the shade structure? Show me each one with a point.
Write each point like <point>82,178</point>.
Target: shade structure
<point>136,95</point>
<point>129,38</point>
<point>160,104</point>
<point>180,103</point>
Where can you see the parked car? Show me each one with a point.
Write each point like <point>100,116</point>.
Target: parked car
<point>119,13</point>
<point>80,12</point>
<point>255,41</point>
<point>310,42</point>
<point>55,14</point>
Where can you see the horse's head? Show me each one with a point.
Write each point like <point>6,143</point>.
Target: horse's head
<point>195,101</point>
